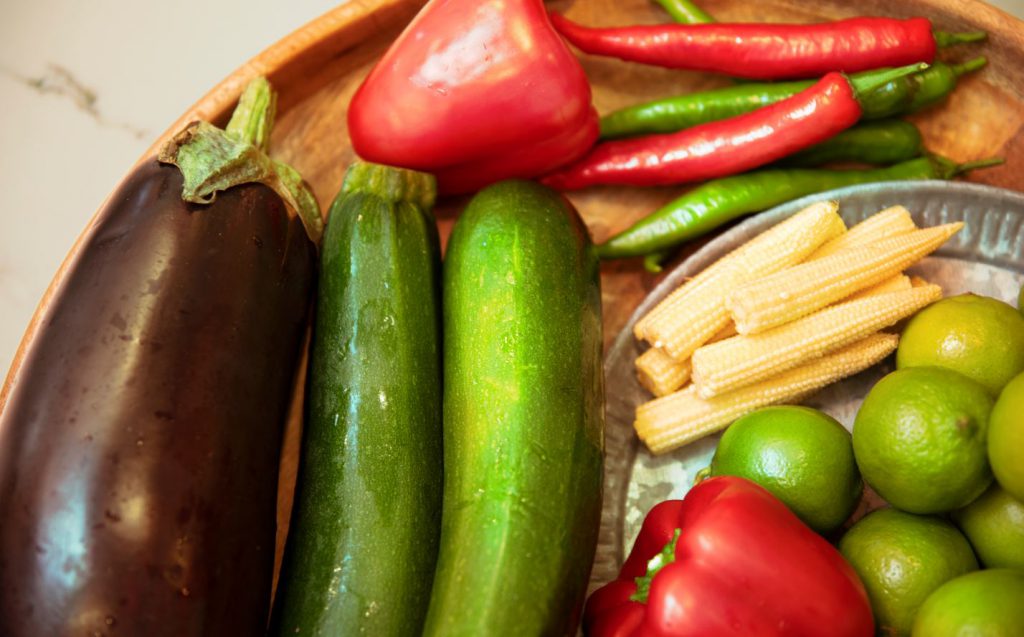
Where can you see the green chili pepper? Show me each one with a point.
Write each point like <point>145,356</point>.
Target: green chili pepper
<point>884,142</point>
<point>714,203</point>
<point>902,95</point>
<point>914,92</point>
<point>685,12</point>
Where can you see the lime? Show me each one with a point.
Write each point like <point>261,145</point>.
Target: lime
<point>994,523</point>
<point>978,336</point>
<point>902,558</point>
<point>986,603</point>
<point>801,455</point>
<point>919,439</point>
<point>1020,299</point>
<point>1006,438</point>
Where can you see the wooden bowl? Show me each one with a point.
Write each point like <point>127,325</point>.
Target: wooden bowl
<point>317,69</point>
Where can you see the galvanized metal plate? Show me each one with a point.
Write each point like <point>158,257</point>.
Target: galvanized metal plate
<point>985,257</point>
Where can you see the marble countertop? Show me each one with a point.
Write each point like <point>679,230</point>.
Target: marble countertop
<point>86,87</point>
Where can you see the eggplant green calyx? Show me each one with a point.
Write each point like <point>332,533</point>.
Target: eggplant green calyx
<point>665,557</point>
<point>393,185</point>
<point>212,160</point>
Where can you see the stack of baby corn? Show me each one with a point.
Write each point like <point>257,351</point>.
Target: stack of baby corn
<point>790,311</point>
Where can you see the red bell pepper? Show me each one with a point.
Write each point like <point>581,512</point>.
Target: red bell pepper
<point>730,559</point>
<point>475,91</point>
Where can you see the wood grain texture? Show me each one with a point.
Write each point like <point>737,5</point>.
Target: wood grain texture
<point>318,68</point>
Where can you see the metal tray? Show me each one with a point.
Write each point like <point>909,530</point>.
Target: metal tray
<point>985,257</point>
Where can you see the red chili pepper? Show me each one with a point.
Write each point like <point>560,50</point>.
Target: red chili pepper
<point>769,51</point>
<point>729,560</point>
<point>475,91</point>
<point>728,146</point>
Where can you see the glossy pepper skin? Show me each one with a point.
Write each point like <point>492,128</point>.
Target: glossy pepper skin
<point>907,94</point>
<point>761,51</point>
<point>488,90</point>
<point>723,147</point>
<point>744,565</point>
<point>140,443</point>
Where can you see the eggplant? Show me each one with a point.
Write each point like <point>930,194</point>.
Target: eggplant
<point>140,443</point>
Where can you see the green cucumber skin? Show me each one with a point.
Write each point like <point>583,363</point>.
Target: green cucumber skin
<point>523,417</point>
<point>363,540</point>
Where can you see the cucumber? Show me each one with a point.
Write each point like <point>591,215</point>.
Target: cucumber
<point>362,544</point>
<point>523,417</point>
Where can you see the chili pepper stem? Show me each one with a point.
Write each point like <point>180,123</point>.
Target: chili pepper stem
<point>969,66</point>
<point>944,39</point>
<point>685,12</point>
<point>976,164</point>
<point>870,81</point>
<point>652,262</point>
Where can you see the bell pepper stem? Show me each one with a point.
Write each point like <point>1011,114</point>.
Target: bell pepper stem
<point>944,38</point>
<point>702,475</point>
<point>685,12</point>
<point>392,184</point>
<point>969,66</point>
<point>212,160</point>
<point>863,84</point>
<point>666,556</point>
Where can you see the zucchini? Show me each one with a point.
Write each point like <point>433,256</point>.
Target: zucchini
<point>523,417</point>
<point>362,543</point>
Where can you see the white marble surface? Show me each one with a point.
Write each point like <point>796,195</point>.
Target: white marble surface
<point>85,87</point>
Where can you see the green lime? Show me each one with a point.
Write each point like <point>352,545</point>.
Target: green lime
<point>987,603</point>
<point>994,523</point>
<point>919,438</point>
<point>978,336</point>
<point>902,558</point>
<point>1020,299</point>
<point>1006,438</point>
<point>801,455</point>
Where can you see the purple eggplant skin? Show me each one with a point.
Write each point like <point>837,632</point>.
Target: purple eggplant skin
<point>140,444</point>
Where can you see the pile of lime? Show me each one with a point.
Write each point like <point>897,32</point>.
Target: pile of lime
<point>941,439</point>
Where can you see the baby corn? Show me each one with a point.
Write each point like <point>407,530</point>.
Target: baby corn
<point>881,225</point>
<point>661,374</point>
<point>680,418</point>
<point>688,318</point>
<point>898,283</point>
<point>722,367</point>
<point>797,291</point>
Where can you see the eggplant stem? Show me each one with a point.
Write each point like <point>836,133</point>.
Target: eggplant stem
<point>212,160</point>
<point>253,118</point>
